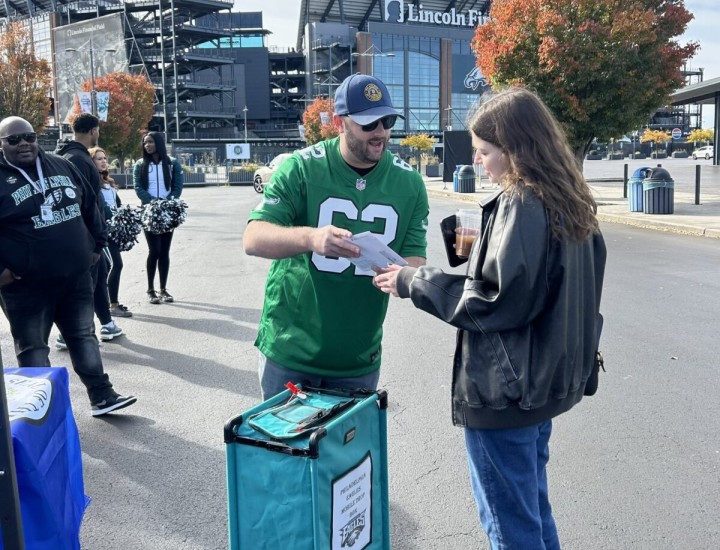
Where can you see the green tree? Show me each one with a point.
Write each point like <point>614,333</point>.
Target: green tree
<point>24,79</point>
<point>601,66</point>
<point>130,111</point>
<point>315,129</point>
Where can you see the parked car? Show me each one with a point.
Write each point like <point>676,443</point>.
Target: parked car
<point>264,173</point>
<point>706,152</point>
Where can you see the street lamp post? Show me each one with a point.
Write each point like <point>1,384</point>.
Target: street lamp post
<point>449,110</point>
<point>245,110</point>
<point>93,98</point>
<point>11,534</point>
<point>634,138</point>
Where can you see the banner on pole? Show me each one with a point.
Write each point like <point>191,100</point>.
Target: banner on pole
<point>85,99</point>
<point>103,105</point>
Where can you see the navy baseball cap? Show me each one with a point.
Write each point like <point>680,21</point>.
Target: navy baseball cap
<point>364,99</point>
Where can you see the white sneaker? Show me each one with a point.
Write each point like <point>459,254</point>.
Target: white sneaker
<point>60,342</point>
<point>110,331</point>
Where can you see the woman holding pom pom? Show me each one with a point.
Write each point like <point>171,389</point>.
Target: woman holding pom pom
<point>108,188</point>
<point>156,177</point>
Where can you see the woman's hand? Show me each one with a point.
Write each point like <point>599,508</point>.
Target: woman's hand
<point>386,279</point>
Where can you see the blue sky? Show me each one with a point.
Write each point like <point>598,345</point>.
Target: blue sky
<point>282,16</point>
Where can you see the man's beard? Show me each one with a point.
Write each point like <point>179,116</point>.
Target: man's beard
<point>360,150</point>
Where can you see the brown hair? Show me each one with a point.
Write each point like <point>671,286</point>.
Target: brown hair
<point>540,159</point>
<point>104,175</point>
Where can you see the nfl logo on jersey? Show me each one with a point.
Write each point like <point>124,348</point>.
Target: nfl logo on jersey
<point>360,184</point>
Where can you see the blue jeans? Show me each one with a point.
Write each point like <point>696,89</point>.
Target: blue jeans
<point>273,378</point>
<point>509,482</point>
<point>32,306</point>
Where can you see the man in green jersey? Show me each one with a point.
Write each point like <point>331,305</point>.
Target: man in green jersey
<point>322,318</point>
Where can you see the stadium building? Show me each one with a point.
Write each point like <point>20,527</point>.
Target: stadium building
<point>217,82</point>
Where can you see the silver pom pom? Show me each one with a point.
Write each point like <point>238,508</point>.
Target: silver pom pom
<point>124,227</point>
<point>163,215</point>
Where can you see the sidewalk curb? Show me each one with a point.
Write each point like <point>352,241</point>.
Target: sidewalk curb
<point>657,225</point>
<point>667,227</point>
<point>450,194</point>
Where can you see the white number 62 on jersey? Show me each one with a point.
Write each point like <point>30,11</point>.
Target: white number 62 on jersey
<point>371,213</point>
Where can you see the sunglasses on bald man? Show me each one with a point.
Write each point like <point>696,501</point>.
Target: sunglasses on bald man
<point>29,137</point>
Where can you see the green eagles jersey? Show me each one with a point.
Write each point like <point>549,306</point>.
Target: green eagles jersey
<point>323,315</point>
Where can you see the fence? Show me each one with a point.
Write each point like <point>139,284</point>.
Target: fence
<point>211,174</point>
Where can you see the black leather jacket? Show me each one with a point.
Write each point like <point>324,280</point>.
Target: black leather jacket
<point>527,314</point>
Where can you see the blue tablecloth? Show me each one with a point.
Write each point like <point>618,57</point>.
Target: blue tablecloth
<point>47,457</point>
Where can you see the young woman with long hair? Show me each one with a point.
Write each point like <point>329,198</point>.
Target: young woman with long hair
<point>157,176</point>
<point>108,188</point>
<point>527,313</point>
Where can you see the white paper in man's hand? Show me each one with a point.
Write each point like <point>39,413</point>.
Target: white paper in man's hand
<point>374,252</point>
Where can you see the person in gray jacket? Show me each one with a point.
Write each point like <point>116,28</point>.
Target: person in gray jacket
<point>527,313</point>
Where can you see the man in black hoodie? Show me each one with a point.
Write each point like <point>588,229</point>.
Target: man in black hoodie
<point>86,132</point>
<point>50,233</point>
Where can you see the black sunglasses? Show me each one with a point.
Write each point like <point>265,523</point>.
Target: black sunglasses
<point>30,137</point>
<point>387,122</point>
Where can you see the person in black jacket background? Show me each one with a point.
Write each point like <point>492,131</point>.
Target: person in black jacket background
<point>86,132</point>
<point>527,313</point>
<point>50,234</point>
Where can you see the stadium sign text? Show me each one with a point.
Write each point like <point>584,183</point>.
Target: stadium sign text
<point>397,12</point>
<point>451,17</point>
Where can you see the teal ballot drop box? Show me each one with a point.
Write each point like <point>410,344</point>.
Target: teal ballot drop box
<point>307,470</point>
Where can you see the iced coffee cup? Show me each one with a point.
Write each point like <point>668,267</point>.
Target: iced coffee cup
<point>467,228</point>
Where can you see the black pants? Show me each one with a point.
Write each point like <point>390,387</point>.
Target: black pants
<point>100,297</point>
<point>113,280</point>
<point>32,306</point>
<point>158,257</point>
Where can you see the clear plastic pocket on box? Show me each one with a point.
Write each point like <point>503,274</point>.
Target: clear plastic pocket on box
<point>299,415</point>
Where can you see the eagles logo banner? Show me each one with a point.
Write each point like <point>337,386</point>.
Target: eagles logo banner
<point>48,460</point>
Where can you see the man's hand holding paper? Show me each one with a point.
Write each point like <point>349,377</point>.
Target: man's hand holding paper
<point>374,253</point>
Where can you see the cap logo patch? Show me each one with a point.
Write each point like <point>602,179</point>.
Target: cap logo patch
<point>372,92</point>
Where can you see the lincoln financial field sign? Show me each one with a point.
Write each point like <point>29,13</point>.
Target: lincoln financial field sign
<point>399,11</point>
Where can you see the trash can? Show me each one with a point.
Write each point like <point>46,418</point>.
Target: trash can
<point>466,180</point>
<point>658,192</point>
<point>635,189</point>
<point>455,177</point>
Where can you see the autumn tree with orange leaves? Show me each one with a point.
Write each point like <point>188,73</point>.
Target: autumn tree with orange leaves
<point>24,79</point>
<point>315,129</point>
<point>130,111</point>
<point>602,66</point>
